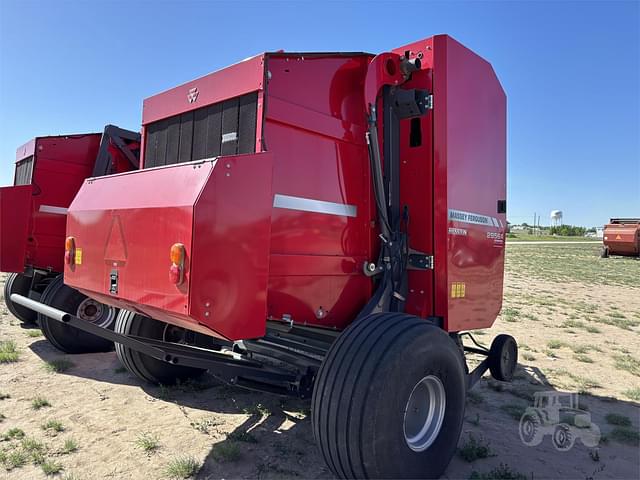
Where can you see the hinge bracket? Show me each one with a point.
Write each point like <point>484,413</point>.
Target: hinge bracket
<point>429,102</point>
<point>419,261</point>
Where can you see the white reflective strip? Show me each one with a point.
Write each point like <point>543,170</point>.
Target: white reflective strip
<point>316,206</point>
<point>470,217</point>
<point>52,209</point>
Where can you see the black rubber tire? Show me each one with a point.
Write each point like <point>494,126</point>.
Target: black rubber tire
<point>604,252</point>
<point>65,337</point>
<point>143,366</point>
<point>503,357</point>
<point>361,393</point>
<point>20,284</point>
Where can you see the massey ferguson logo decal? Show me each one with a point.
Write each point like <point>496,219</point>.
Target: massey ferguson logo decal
<point>192,96</point>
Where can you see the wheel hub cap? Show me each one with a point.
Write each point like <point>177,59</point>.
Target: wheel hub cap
<point>95,312</point>
<point>424,413</point>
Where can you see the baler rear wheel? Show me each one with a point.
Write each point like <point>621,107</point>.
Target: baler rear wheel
<point>143,366</point>
<point>389,399</point>
<point>65,337</point>
<point>604,252</point>
<point>20,284</point>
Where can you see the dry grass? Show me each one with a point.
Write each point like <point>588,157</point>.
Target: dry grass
<point>148,442</point>
<point>474,448</point>
<point>628,363</point>
<point>626,435</point>
<point>39,402</point>
<point>58,365</point>
<point>70,446</point>
<point>9,352</point>
<point>183,467</point>
<point>53,426</point>
<point>571,263</point>
<point>501,472</point>
<point>227,451</point>
<point>617,419</point>
<point>633,393</point>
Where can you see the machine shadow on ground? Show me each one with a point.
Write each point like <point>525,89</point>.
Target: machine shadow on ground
<point>275,440</point>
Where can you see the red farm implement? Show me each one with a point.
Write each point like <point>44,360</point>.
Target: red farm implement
<point>49,172</point>
<point>621,237</point>
<point>324,225</point>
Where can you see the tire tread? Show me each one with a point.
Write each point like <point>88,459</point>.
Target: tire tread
<point>340,393</point>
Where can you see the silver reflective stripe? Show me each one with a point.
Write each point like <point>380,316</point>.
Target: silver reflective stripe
<point>52,209</point>
<point>316,206</point>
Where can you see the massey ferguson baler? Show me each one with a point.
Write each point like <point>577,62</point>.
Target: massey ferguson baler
<point>324,225</point>
<point>49,172</point>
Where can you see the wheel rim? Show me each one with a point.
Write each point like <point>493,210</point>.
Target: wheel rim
<point>507,355</point>
<point>424,413</point>
<point>95,312</point>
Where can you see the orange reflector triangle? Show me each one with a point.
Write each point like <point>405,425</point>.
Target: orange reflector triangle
<point>618,237</point>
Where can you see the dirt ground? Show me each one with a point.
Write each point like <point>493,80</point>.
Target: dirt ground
<point>576,318</point>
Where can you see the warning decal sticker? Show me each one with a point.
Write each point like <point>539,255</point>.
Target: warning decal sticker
<point>458,290</point>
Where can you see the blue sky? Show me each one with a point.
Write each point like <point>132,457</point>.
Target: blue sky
<point>571,71</point>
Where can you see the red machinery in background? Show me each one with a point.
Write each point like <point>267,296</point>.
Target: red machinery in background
<point>319,224</point>
<point>621,237</point>
<point>49,172</point>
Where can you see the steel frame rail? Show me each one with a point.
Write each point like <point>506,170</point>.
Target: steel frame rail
<point>226,367</point>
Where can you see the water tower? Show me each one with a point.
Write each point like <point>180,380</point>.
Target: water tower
<point>556,218</point>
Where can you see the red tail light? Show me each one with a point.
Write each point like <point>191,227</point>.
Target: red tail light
<point>69,250</point>
<point>176,270</point>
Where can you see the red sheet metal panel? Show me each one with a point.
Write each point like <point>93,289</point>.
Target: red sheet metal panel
<point>15,206</point>
<point>469,180</point>
<point>61,165</point>
<point>233,81</point>
<point>622,238</point>
<point>315,123</point>
<point>231,240</point>
<point>58,166</point>
<point>220,210</point>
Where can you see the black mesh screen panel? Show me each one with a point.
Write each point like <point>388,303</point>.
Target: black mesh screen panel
<point>24,171</point>
<point>247,123</point>
<point>225,128</point>
<point>186,139</point>
<point>214,130</point>
<point>230,126</point>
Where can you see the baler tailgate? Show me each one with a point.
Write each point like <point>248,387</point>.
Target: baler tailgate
<point>15,210</point>
<point>124,227</point>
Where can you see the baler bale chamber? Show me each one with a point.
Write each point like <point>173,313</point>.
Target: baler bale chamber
<point>323,225</point>
<point>621,236</point>
<point>49,171</point>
